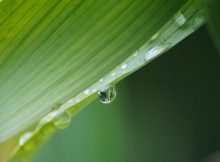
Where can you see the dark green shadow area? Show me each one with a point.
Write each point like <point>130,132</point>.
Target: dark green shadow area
<point>168,111</point>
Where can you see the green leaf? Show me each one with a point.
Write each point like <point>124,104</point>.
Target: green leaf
<point>213,12</point>
<point>56,55</point>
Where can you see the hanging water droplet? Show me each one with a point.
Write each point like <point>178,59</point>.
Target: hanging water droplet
<point>107,94</point>
<point>62,120</point>
<point>24,138</point>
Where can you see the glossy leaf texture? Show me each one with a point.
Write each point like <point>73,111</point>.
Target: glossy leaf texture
<point>54,54</point>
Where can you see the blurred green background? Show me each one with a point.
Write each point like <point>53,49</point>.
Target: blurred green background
<point>168,111</point>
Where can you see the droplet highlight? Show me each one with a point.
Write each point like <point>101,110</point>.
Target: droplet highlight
<point>70,101</point>
<point>124,66</point>
<point>107,94</point>
<point>180,19</point>
<point>62,120</point>
<point>154,52</point>
<point>48,118</point>
<point>87,91</point>
<point>24,138</point>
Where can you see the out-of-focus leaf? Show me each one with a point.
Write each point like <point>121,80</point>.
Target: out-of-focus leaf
<point>213,13</point>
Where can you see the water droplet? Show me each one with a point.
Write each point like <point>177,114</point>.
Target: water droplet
<point>101,80</point>
<point>180,19</point>
<point>124,66</point>
<point>153,52</point>
<point>135,54</point>
<point>24,138</point>
<point>113,74</point>
<point>49,117</point>
<point>107,94</point>
<point>62,120</point>
<point>86,91</point>
<point>70,101</point>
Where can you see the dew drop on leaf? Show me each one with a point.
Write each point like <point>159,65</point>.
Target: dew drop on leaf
<point>124,66</point>
<point>62,120</point>
<point>86,91</point>
<point>156,51</point>
<point>101,80</point>
<point>107,94</point>
<point>180,19</point>
<point>24,138</point>
<point>153,52</point>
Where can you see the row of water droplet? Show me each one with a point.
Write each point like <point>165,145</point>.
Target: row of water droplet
<point>156,45</point>
<point>62,120</point>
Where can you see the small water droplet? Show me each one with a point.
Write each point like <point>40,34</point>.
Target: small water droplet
<point>107,94</point>
<point>24,138</point>
<point>124,66</point>
<point>135,54</point>
<point>153,52</point>
<point>70,101</point>
<point>180,19</point>
<point>49,117</point>
<point>113,74</point>
<point>101,80</point>
<point>86,91</point>
<point>62,120</point>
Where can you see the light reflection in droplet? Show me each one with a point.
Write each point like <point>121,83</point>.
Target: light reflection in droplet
<point>62,120</point>
<point>24,138</point>
<point>107,94</point>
